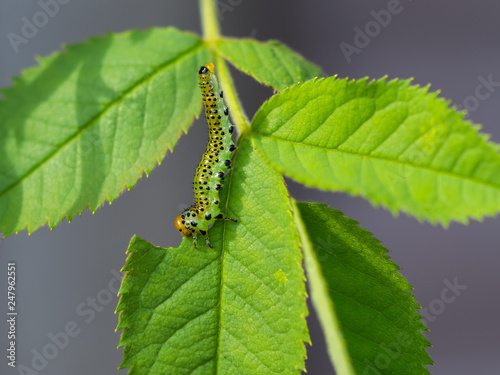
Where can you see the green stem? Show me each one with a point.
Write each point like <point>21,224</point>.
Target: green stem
<point>209,23</point>
<point>211,33</point>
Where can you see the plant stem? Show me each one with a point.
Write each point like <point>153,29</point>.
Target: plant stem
<point>209,23</point>
<point>211,33</point>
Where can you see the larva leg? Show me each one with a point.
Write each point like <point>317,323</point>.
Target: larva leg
<point>208,241</point>
<point>225,217</point>
<point>205,236</point>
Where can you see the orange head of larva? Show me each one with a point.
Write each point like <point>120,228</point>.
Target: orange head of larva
<point>211,67</point>
<point>181,227</point>
<point>205,70</point>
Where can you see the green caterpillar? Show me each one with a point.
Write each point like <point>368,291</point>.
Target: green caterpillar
<point>215,161</point>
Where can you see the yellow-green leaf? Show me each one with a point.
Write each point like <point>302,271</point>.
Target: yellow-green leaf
<point>396,145</point>
<point>89,121</point>
<point>238,308</point>
<point>357,288</point>
<point>271,63</point>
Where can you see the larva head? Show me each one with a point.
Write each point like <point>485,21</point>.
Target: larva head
<point>180,225</point>
<point>205,72</point>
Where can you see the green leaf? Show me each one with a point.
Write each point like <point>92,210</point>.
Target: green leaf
<point>376,311</point>
<point>270,63</point>
<point>392,143</point>
<point>86,123</point>
<point>235,309</point>
<point>319,290</point>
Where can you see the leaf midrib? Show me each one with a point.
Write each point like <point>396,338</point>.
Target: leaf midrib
<point>217,349</point>
<point>369,156</point>
<point>154,72</point>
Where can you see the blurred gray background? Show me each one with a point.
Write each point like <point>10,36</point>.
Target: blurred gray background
<point>449,43</point>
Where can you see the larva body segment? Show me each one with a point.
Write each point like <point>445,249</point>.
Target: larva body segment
<point>215,162</point>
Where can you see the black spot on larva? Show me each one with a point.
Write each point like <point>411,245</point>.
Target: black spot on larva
<point>219,117</point>
<point>217,187</point>
<point>220,174</point>
<point>183,221</point>
<point>180,230</point>
<point>232,148</point>
<point>188,214</point>
<point>222,133</point>
<point>222,148</point>
<point>231,128</point>
<point>215,111</point>
<point>203,232</point>
<point>227,163</point>
<point>222,94</point>
<point>182,216</point>
<point>203,70</point>
<point>216,202</point>
<point>219,216</point>
<point>194,223</point>
<point>226,111</point>
<point>208,187</point>
<point>210,173</point>
<point>208,216</point>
